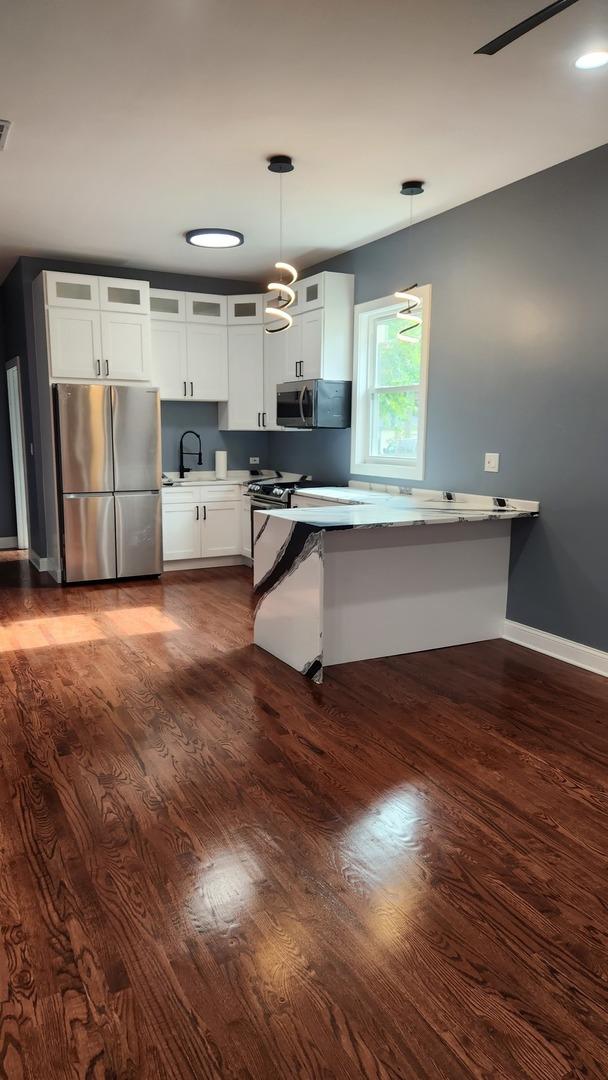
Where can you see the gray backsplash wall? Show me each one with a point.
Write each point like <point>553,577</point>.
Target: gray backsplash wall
<point>518,364</point>
<point>178,416</point>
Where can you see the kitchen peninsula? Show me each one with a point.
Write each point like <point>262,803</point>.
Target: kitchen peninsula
<point>339,583</point>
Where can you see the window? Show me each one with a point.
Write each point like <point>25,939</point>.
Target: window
<point>390,390</point>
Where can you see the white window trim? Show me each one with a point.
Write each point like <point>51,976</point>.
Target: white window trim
<point>360,462</point>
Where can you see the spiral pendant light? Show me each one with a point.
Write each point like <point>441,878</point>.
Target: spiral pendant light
<point>412,302</point>
<point>280,164</point>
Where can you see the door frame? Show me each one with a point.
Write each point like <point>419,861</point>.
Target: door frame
<point>17,433</point>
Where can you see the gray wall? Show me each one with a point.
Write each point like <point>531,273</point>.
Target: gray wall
<point>16,305</point>
<point>178,416</point>
<point>518,364</point>
<point>8,523</point>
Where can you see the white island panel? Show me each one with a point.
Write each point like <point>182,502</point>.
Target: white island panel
<point>390,591</point>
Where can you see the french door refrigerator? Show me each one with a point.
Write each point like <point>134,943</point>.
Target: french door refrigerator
<point>109,477</point>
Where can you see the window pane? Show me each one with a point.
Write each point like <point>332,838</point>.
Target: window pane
<point>394,425</point>
<point>397,363</point>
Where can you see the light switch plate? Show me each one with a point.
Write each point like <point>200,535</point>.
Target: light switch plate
<point>492,462</point>
<point>254,461</point>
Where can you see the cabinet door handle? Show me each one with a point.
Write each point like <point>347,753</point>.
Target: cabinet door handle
<point>107,367</point>
<point>263,419</point>
<point>198,513</point>
<point>204,513</point>
<point>99,367</point>
<point>191,389</point>
<point>259,425</point>
<point>185,389</point>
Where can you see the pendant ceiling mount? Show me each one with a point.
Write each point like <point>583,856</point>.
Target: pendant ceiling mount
<point>280,163</point>
<point>277,307</point>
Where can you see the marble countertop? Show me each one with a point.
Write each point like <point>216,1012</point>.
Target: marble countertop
<point>386,514</point>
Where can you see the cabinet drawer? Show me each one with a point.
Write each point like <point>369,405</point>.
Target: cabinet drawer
<point>173,496</point>
<point>220,491</point>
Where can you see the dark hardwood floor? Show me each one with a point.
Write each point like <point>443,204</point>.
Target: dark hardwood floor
<point>211,868</point>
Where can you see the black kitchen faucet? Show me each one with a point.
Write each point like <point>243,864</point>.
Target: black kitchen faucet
<point>189,453</point>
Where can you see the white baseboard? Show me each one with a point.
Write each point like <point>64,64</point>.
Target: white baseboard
<point>8,543</point>
<point>571,652</point>
<point>40,564</point>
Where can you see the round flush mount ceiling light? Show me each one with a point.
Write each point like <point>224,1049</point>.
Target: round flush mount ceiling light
<point>214,238</point>
<point>591,60</point>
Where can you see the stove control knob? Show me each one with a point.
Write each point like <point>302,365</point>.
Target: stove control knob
<point>254,487</point>
<point>277,491</point>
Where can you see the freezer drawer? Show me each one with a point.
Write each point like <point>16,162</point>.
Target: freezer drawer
<point>138,533</point>
<point>89,537</point>
<point>136,438</point>
<point>85,437</point>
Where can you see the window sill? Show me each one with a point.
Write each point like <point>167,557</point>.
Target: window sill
<point>398,472</point>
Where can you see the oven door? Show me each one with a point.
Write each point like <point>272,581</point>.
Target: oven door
<point>260,502</point>
<point>295,405</point>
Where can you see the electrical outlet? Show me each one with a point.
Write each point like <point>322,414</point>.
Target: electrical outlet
<point>254,461</point>
<point>492,462</point>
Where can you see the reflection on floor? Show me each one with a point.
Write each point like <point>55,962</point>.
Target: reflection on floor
<point>210,867</point>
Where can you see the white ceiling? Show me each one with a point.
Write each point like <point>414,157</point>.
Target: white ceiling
<point>135,120</point>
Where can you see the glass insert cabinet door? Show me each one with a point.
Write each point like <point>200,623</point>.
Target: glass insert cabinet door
<point>71,290</point>
<point>122,294</point>
<point>206,308</point>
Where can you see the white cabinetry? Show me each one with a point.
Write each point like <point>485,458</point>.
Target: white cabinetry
<point>320,342</point>
<point>244,410</point>
<point>246,310</point>
<point>74,343</point>
<point>189,346</point>
<point>207,353</point>
<point>201,522</point>
<point>97,328</point>
<point>181,531</point>
<point>276,370</point>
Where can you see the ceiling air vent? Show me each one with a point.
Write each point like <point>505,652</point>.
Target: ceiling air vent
<point>5,126</point>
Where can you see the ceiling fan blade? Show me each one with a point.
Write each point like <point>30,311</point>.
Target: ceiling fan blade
<point>523,27</point>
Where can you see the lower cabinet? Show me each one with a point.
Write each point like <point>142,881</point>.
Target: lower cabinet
<point>204,530</point>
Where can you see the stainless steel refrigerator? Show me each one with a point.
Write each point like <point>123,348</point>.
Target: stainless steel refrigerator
<point>109,477</point>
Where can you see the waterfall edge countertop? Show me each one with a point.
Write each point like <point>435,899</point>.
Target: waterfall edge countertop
<point>342,582</point>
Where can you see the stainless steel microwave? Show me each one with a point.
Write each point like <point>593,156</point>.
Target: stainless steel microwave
<point>313,403</point>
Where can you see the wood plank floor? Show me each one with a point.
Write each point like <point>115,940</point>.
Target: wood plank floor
<point>211,868</point>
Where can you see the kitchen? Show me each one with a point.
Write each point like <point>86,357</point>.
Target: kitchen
<point>303,635</point>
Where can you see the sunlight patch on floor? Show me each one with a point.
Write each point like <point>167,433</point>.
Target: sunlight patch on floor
<point>26,634</point>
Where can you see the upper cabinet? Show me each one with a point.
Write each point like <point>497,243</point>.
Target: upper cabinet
<point>244,410</point>
<point>246,310</point>
<point>120,294</point>
<point>206,308</point>
<point>97,328</point>
<point>189,361</point>
<point>168,305</point>
<point>320,342</point>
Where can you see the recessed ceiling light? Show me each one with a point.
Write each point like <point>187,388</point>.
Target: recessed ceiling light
<point>591,60</point>
<point>214,238</point>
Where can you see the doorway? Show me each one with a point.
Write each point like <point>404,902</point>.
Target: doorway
<point>15,412</point>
